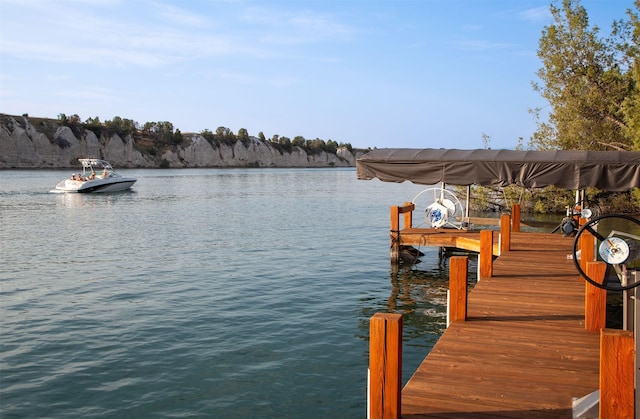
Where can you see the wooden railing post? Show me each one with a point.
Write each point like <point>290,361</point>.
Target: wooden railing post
<point>587,249</point>
<point>617,356</point>
<point>486,254</point>
<point>595,300</point>
<point>395,233</point>
<point>408,215</point>
<point>458,272</point>
<point>406,209</point>
<point>385,366</point>
<point>515,218</point>
<point>505,233</point>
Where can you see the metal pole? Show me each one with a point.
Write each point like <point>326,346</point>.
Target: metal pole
<point>466,211</point>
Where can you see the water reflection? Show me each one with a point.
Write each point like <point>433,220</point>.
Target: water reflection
<point>422,288</point>
<point>81,200</point>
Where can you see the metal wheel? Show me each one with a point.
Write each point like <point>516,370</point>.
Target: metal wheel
<point>439,206</point>
<point>618,245</point>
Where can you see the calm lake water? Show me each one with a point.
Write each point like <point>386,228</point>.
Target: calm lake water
<point>227,293</point>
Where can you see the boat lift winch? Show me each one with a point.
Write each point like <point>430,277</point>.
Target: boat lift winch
<point>442,208</point>
<point>617,244</point>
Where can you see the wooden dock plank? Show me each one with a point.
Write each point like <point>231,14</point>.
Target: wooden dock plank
<point>523,352</point>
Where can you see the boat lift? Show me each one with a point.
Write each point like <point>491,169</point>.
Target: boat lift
<point>620,250</point>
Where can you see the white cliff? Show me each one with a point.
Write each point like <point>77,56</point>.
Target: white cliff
<point>45,144</point>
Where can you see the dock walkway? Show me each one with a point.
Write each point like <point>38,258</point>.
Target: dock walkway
<point>523,351</point>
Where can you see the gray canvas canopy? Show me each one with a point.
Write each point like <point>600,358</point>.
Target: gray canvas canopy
<point>605,170</point>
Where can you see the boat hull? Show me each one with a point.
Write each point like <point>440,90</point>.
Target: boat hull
<point>95,186</point>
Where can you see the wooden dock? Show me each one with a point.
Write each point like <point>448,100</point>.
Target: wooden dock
<point>522,352</point>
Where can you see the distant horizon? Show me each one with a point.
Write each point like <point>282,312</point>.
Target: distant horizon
<point>381,74</point>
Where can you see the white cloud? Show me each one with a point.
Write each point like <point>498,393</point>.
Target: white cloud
<point>109,33</point>
<point>65,33</point>
<point>481,45</point>
<point>295,27</point>
<point>472,27</point>
<point>535,14</point>
<point>178,15</point>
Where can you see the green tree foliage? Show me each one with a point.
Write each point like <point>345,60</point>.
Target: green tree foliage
<point>74,122</point>
<point>631,104</point>
<point>208,135</point>
<point>331,146</point>
<point>163,132</point>
<point>225,135</point>
<point>285,142</point>
<point>243,134</point>
<point>121,126</point>
<point>631,108</point>
<point>298,141</point>
<point>316,145</point>
<point>223,132</point>
<point>148,127</point>
<point>177,136</point>
<point>70,121</point>
<point>588,82</point>
<point>94,124</point>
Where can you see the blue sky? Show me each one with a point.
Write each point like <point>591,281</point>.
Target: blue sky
<point>371,73</point>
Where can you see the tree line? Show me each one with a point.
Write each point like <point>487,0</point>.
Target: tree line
<point>163,132</point>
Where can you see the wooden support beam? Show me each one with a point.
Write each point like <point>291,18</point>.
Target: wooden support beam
<point>458,273</point>
<point>394,222</point>
<point>407,209</point>
<point>617,355</point>
<point>515,218</point>
<point>395,233</point>
<point>505,233</point>
<point>486,254</point>
<point>385,366</point>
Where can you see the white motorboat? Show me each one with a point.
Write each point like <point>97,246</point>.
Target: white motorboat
<point>96,176</point>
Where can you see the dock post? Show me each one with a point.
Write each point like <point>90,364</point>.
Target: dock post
<point>587,249</point>
<point>458,273</point>
<point>407,209</point>
<point>486,254</point>
<point>595,301</point>
<point>385,366</point>
<point>505,233</point>
<point>617,355</point>
<point>395,234</point>
<point>515,218</point>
